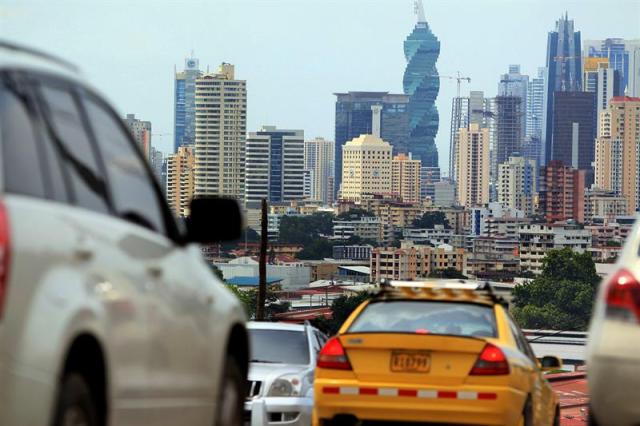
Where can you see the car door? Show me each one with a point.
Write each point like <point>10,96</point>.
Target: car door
<point>180,388</point>
<point>108,280</point>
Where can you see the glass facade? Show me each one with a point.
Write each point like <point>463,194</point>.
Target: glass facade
<point>185,104</point>
<point>422,84</point>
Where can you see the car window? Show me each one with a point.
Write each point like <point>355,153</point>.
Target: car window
<point>20,156</point>
<point>449,318</point>
<point>521,341</point>
<point>279,346</point>
<point>134,197</point>
<point>69,135</point>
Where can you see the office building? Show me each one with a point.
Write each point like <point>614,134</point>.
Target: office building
<point>532,147</point>
<point>366,168</point>
<point>472,163</point>
<point>464,111</point>
<point>561,193</point>
<point>514,84</point>
<point>602,80</point>
<point>274,165</point>
<point>517,184</point>
<point>354,117</point>
<point>421,83</point>
<point>574,119</point>
<point>564,74</point>
<point>180,180</point>
<point>617,155</point>
<point>221,126</point>
<point>509,133</point>
<point>141,131</point>
<point>406,178</point>
<point>623,56</point>
<point>319,155</point>
<point>185,104</point>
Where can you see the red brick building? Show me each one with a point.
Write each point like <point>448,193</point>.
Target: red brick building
<point>561,192</point>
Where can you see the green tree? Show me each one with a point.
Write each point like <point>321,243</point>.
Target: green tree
<point>341,308</point>
<point>561,297</point>
<point>316,249</point>
<point>249,299</point>
<point>305,229</point>
<point>430,219</point>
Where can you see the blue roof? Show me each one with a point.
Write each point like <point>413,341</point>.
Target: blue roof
<point>251,281</point>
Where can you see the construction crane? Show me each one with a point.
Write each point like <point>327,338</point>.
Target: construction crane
<point>459,79</point>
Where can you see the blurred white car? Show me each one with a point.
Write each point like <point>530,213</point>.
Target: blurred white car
<point>108,313</point>
<point>613,349</point>
<point>283,360</point>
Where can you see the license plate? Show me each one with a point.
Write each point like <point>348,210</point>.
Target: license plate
<point>410,362</point>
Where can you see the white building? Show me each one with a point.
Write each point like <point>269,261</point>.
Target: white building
<point>433,236</point>
<point>480,216</point>
<point>537,239</point>
<point>517,184</point>
<point>319,158</point>
<point>141,131</point>
<point>366,168</point>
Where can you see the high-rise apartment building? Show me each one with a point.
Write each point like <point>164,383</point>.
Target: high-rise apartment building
<point>141,131</point>
<point>623,56</point>
<point>405,178</point>
<point>421,83</point>
<point>366,167</point>
<point>221,125</point>
<point>156,161</point>
<point>354,117</point>
<point>319,159</point>
<point>517,184</point>
<point>429,176</point>
<point>464,111</point>
<point>561,192</point>
<point>574,120</point>
<point>617,153</point>
<point>472,163</point>
<point>564,73</point>
<point>535,110</point>
<point>180,180</point>
<point>274,165</point>
<point>185,104</point>
<point>605,82</point>
<point>509,133</point>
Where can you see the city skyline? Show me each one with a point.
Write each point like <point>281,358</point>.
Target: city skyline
<point>260,55</point>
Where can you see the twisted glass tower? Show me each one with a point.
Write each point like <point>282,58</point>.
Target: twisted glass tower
<point>421,83</point>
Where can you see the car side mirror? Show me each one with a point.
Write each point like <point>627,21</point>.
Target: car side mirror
<point>549,362</point>
<point>214,220</point>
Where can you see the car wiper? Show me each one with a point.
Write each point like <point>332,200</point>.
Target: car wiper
<point>264,361</point>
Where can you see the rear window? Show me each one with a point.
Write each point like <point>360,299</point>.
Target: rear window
<point>279,346</point>
<point>449,318</point>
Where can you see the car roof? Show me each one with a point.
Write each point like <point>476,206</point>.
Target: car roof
<point>450,290</point>
<point>259,325</point>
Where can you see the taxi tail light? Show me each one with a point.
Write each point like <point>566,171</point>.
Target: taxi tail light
<point>623,297</point>
<point>5,256</point>
<point>333,356</point>
<point>491,362</point>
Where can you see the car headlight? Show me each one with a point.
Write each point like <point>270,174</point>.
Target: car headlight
<point>288,385</point>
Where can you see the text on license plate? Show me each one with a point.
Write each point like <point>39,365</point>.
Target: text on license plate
<point>410,362</point>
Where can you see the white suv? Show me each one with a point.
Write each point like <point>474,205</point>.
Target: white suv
<point>108,313</point>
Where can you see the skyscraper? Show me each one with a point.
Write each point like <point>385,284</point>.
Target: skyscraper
<point>574,118</point>
<point>354,117</point>
<point>366,168</point>
<point>617,151</point>
<point>405,178</point>
<point>221,125</point>
<point>421,83</point>
<point>602,80</point>
<point>532,147</point>
<point>515,84</point>
<point>180,180</point>
<point>141,131</point>
<point>508,130</point>
<point>561,192</point>
<point>472,158</point>
<point>184,104</point>
<point>319,159</point>
<point>274,165</point>
<point>464,111</point>
<point>623,56</point>
<point>564,72</point>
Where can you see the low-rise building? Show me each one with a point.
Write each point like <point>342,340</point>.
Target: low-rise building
<point>365,228</point>
<point>428,236</point>
<point>610,231</point>
<point>493,258</point>
<point>410,261</point>
<point>354,252</point>
<point>601,203</point>
<point>538,239</point>
<point>480,217</point>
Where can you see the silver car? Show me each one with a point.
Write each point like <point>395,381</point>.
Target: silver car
<point>283,359</point>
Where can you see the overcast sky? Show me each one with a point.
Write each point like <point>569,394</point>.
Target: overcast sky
<point>295,54</point>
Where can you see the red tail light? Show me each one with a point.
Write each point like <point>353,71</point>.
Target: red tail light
<point>5,252</point>
<point>333,356</point>
<point>623,297</point>
<point>491,362</point>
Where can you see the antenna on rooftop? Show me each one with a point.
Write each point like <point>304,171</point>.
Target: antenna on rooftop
<point>418,9</point>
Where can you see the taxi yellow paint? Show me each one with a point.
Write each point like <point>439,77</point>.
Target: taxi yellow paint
<point>444,394</point>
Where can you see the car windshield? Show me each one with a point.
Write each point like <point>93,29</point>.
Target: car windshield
<point>279,346</point>
<point>426,317</point>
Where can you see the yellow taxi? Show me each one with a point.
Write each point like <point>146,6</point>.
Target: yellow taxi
<point>433,352</point>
